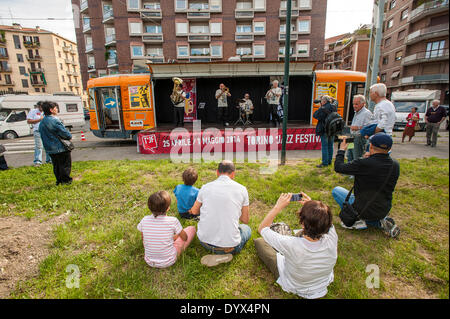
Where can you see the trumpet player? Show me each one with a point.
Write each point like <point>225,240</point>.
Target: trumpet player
<point>222,105</point>
<point>273,99</point>
<point>178,98</point>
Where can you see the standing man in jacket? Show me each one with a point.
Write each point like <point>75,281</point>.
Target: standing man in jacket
<point>434,116</point>
<point>327,141</point>
<point>375,180</point>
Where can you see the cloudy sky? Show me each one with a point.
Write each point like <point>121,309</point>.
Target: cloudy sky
<point>56,15</point>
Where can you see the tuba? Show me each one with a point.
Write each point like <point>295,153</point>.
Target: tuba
<point>175,96</point>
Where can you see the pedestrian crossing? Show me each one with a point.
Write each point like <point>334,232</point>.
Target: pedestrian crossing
<point>23,146</point>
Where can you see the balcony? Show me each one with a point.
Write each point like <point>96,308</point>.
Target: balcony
<point>427,9</point>
<point>110,40</point>
<point>151,14</point>
<point>282,36</point>
<point>34,58</point>
<point>244,14</point>
<point>2,42</point>
<point>112,62</point>
<point>83,6</point>
<point>294,13</point>
<point>31,44</point>
<point>244,37</point>
<point>66,49</point>
<point>4,56</point>
<point>86,27</point>
<point>89,48</point>
<point>424,79</point>
<point>195,37</point>
<point>423,57</point>
<point>36,70</point>
<point>198,14</point>
<point>108,16</point>
<point>427,33</point>
<point>73,51</point>
<point>68,61</point>
<point>5,68</point>
<point>38,83</point>
<point>151,37</point>
<point>91,68</point>
<point>72,84</point>
<point>155,59</point>
<point>6,83</point>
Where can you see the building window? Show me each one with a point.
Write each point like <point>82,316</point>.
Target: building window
<point>387,42</point>
<point>282,49</point>
<point>19,57</point>
<point>260,4</point>
<point>57,41</point>
<point>243,28</point>
<point>133,4</point>
<point>62,77</point>
<point>215,4</point>
<point>243,51</point>
<point>183,51</point>
<point>244,5</point>
<point>155,52</point>
<point>390,23</point>
<point>25,83</point>
<point>259,50</point>
<point>259,27</point>
<point>154,29</point>
<point>181,5</point>
<point>216,27</point>
<point>216,50</point>
<point>383,77</point>
<point>72,107</point>
<point>401,35</point>
<point>435,49</point>
<point>37,90</point>
<point>398,55</point>
<point>152,6</point>
<point>392,4</point>
<point>181,27</point>
<point>137,51</point>
<point>59,54</point>
<point>199,5</point>
<point>16,41</point>
<point>404,14</point>
<point>304,26</point>
<point>385,60</point>
<point>135,28</point>
<point>303,50</point>
<point>22,70</point>
<point>199,29</point>
<point>199,51</point>
<point>61,66</point>
<point>304,4</point>
<point>283,28</point>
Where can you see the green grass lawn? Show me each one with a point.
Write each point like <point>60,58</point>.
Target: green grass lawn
<point>108,199</point>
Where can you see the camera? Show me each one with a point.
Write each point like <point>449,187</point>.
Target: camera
<point>296,197</point>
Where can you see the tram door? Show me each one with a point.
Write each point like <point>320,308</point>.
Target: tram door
<point>108,108</point>
<point>351,89</point>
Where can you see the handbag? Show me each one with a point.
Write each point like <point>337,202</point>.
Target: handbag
<point>2,149</point>
<point>68,145</point>
<point>348,213</point>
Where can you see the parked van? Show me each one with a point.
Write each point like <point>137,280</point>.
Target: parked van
<point>405,100</point>
<point>14,109</point>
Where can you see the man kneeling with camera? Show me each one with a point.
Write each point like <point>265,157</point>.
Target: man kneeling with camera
<point>375,180</point>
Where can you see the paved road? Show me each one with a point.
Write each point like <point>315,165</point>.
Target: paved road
<point>20,151</point>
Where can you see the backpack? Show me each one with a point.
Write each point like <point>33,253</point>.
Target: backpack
<point>334,124</point>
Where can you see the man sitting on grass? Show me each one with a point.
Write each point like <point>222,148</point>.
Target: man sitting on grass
<point>375,180</point>
<point>302,265</point>
<point>222,204</point>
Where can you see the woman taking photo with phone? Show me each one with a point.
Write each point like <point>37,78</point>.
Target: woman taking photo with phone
<point>303,264</point>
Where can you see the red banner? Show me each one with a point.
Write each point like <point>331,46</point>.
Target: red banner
<point>229,140</point>
<point>190,88</point>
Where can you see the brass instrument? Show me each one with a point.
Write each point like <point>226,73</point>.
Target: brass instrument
<point>176,97</point>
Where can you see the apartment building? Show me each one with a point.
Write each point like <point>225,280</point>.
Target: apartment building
<point>414,51</point>
<point>118,36</point>
<point>33,60</point>
<point>347,51</point>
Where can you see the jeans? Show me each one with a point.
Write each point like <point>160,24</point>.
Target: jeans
<point>38,149</point>
<point>327,149</point>
<point>246,233</point>
<point>350,154</point>
<point>432,133</point>
<point>339,195</point>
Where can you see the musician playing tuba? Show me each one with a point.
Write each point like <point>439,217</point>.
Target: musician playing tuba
<point>178,98</point>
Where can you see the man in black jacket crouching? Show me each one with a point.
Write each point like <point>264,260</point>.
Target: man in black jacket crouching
<point>375,180</point>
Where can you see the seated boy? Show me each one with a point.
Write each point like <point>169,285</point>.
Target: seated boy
<point>186,194</point>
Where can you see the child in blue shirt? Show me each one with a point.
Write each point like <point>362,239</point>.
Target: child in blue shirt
<point>186,194</point>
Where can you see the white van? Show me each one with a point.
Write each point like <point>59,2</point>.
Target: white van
<point>14,109</point>
<point>405,100</point>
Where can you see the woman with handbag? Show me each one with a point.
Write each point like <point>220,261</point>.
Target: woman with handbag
<point>3,165</point>
<point>56,140</point>
<point>411,125</point>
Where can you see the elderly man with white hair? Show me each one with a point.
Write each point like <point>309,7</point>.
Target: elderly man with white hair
<point>434,116</point>
<point>361,118</point>
<point>273,99</point>
<point>384,111</point>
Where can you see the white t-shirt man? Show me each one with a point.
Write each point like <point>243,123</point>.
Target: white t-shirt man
<point>273,95</point>
<point>305,267</point>
<point>384,114</point>
<point>222,201</point>
<point>35,114</point>
<point>222,100</point>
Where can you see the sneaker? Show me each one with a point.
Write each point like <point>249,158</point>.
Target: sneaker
<point>227,124</point>
<point>358,225</point>
<point>321,165</point>
<point>37,164</point>
<point>389,227</point>
<point>214,260</point>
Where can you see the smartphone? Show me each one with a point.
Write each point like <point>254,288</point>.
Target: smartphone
<point>296,197</point>
<point>348,139</point>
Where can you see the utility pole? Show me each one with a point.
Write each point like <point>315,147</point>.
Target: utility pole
<point>374,48</point>
<point>287,58</point>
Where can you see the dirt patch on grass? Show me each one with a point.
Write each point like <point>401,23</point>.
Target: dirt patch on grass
<point>23,245</point>
<point>396,288</point>
<point>258,208</point>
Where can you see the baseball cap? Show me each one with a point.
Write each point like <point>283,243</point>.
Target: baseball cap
<point>381,140</point>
